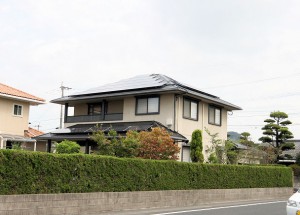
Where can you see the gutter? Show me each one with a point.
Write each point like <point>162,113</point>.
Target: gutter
<point>31,101</point>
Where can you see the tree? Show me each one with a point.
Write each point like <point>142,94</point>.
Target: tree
<point>298,158</point>
<point>157,144</point>
<point>197,147</point>
<point>104,146</point>
<point>67,147</point>
<point>246,140</point>
<point>231,152</point>
<point>216,151</point>
<point>276,132</point>
<point>130,145</point>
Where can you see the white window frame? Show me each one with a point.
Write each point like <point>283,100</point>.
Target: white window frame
<point>22,108</point>
<point>191,101</point>
<point>212,119</point>
<point>147,112</point>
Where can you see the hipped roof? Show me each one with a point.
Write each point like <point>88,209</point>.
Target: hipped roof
<point>144,84</point>
<point>13,93</point>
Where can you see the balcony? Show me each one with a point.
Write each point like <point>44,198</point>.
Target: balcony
<point>94,118</point>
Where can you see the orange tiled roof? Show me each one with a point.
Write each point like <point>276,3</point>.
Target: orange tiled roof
<point>4,89</point>
<point>31,132</point>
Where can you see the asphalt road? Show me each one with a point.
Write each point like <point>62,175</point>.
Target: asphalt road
<point>244,208</point>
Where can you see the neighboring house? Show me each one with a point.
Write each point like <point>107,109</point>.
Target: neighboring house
<point>40,145</point>
<point>14,116</point>
<point>289,156</point>
<point>140,103</point>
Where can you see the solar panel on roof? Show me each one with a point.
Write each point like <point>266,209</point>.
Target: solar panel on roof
<point>140,81</point>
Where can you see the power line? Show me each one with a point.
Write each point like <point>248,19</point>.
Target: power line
<point>295,124</point>
<point>253,82</point>
<point>266,115</point>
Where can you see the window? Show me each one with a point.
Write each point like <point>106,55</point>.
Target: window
<point>190,109</point>
<point>18,110</point>
<point>94,109</point>
<point>214,115</point>
<point>147,105</point>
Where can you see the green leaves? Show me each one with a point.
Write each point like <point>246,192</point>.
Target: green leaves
<point>276,129</point>
<point>197,147</point>
<point>63,173</point>
<point>278,115</point>
<point>67,147</point>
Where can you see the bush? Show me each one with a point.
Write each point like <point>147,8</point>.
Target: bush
<point>23,172</point>
<point>296,169</point>
<point>197,147</point>
<point>67,147</point>
<point>158,145</point>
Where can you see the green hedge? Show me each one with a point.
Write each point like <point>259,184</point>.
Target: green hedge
<point>32,172</point>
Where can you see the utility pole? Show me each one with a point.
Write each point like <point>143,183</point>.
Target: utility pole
<point>63,88</point>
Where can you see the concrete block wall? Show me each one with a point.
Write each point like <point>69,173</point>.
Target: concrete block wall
<point>95,203</point>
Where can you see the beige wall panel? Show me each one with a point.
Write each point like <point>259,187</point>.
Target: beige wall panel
<point>221,130</point>
<point>115,106</point>
<point>186,126</point>
<point>80,109</point>
<point>9,123</point>
<point>166,110</point>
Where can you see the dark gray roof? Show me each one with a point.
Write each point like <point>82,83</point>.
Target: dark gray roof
<point>82,131</point>
<point>240,146</point>
<point>144,84</point>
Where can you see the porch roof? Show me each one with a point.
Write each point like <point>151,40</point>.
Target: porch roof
<point>83,131</point>
<point>16,138</point>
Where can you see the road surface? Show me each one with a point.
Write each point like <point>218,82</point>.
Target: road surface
<point>242,208</point>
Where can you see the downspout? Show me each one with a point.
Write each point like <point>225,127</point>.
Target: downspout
<point>175,98</point>
<point>1,142</point>
<point>34,145</point>
<point>202,115</point>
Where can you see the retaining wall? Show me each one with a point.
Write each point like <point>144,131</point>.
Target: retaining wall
<point>95,203</point>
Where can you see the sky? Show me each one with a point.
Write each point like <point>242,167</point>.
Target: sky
<point>245,52</point>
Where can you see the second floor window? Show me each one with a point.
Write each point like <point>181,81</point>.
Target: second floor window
<point>18,110</point>
<point>214,115</point>
<point>94,109</point>
<point>147,105</point>
<point>190,109</point>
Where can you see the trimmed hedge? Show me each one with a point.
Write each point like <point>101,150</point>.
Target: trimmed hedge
<point>32,172</point>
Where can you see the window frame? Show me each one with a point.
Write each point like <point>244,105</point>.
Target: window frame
<point>214,108</point>
<point>191,100</point>
<point>147,112</point>
<point>94,104</point>
<point>18,105</point>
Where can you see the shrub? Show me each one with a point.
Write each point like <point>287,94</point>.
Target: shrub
<point>67,147</point>
<point>296,169</point>
<point>197,147</point>
<point>23,172</point>
<point>158,145</point>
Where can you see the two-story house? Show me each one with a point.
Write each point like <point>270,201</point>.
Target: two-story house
<point>142,102</point>
<point>14,116</point>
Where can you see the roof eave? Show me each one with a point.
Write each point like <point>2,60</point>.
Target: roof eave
<point>31,101</point>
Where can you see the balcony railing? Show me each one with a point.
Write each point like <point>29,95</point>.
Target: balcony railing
<point>94,118</point>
